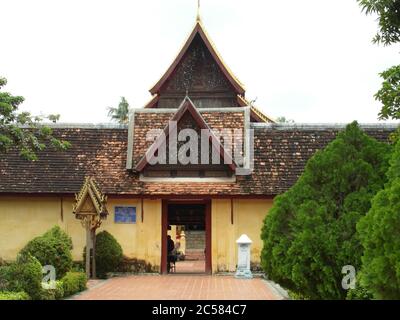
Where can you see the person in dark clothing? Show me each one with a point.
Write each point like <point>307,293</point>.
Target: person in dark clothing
<point>171,254</point>
<point>171,244</point>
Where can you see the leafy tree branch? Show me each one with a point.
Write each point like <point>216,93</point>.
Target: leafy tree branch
<point>22,131</point>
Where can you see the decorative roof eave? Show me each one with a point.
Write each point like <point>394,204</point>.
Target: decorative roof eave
<point>186,106</point>
<point>153,101</point>
<point>199,29</point>
<point>255,112</point>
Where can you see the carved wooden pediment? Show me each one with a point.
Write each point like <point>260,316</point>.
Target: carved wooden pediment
<point>187,116</point>
<point>90,200</point>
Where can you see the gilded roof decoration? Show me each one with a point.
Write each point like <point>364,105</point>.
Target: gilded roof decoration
<point>90,200</point>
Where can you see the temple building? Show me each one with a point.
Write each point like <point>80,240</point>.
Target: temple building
<point>204,206</point>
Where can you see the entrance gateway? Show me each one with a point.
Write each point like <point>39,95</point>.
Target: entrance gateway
<point>193,217</point>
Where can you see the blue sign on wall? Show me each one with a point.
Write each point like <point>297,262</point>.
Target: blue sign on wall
<point>125,214</point>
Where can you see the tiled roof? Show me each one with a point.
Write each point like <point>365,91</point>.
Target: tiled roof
<point>243,102</point>
<point>144,120</point>
<point>281,152</point>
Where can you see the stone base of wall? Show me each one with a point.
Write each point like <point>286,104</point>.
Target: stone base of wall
<point>133,265</point>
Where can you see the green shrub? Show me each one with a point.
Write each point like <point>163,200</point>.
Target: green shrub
<point>310,232</point>
<point>73,282</point>
<point>47,294</point>
<point>359,293</point>
<point>9,295</point>
<point>296,296</point>
<point>23,275</point>
<point>52,248</point>
<point>4,270</point>
<point>379,233</point>
<point>53,291</point>
<point>78,266</point>
<point>108,254</point>
<point>59,290</point>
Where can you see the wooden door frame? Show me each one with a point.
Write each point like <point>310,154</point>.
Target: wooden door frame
<point>164,232</point>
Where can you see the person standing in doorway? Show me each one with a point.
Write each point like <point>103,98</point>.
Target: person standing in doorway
<point>171,248</point>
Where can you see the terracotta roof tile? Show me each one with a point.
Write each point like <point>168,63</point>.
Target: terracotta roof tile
<point>143,122</point>
<point>280,157</point>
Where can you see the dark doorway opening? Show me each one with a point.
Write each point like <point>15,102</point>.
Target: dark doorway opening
<point>186,237</point>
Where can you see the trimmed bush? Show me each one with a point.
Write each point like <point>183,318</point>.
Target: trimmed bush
<point>53,294</point>
<point>359,293</point>
<point>23,275</point>
<point>108,254</point>
<point>379,233</point>
<point>59,290</point>
<point>9,295</point>
<point>296,296</point>
<point>73,282</point>
<point>4,275</point>
<point>52,248</point>
<point>47,294</point>
<point>310,232</point>
<point>78,266</point>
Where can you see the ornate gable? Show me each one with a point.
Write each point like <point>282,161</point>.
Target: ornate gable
<point>199,47</point>
<point>187,117</point>
<point>199,71</point>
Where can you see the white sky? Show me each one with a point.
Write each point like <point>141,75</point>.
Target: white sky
<point>311,61</point>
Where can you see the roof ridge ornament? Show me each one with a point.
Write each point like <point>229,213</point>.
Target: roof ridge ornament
<point>198,16</point>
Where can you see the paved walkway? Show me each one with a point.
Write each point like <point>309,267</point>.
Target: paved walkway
<point>190,266</point>
<point>179,287</point>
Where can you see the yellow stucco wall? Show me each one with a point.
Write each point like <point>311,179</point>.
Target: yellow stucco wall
<point>222,236</point>
<point>248,216</point>
<point>22,220</point>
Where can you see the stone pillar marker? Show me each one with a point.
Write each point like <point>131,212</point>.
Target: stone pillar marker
<point>243,267</point>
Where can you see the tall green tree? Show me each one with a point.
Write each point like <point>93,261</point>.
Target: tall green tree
<point>309,235</point>
<point>120,113</point>
<point>22,131</point>
<point>380,236</point>
<point>388,12</point>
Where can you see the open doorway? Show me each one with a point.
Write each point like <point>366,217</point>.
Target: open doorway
<point>187,234</point>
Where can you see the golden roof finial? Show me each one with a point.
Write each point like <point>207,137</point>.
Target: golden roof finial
<point>198,18</point>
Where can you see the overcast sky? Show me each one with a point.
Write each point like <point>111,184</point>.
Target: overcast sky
<point>311,61</point>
